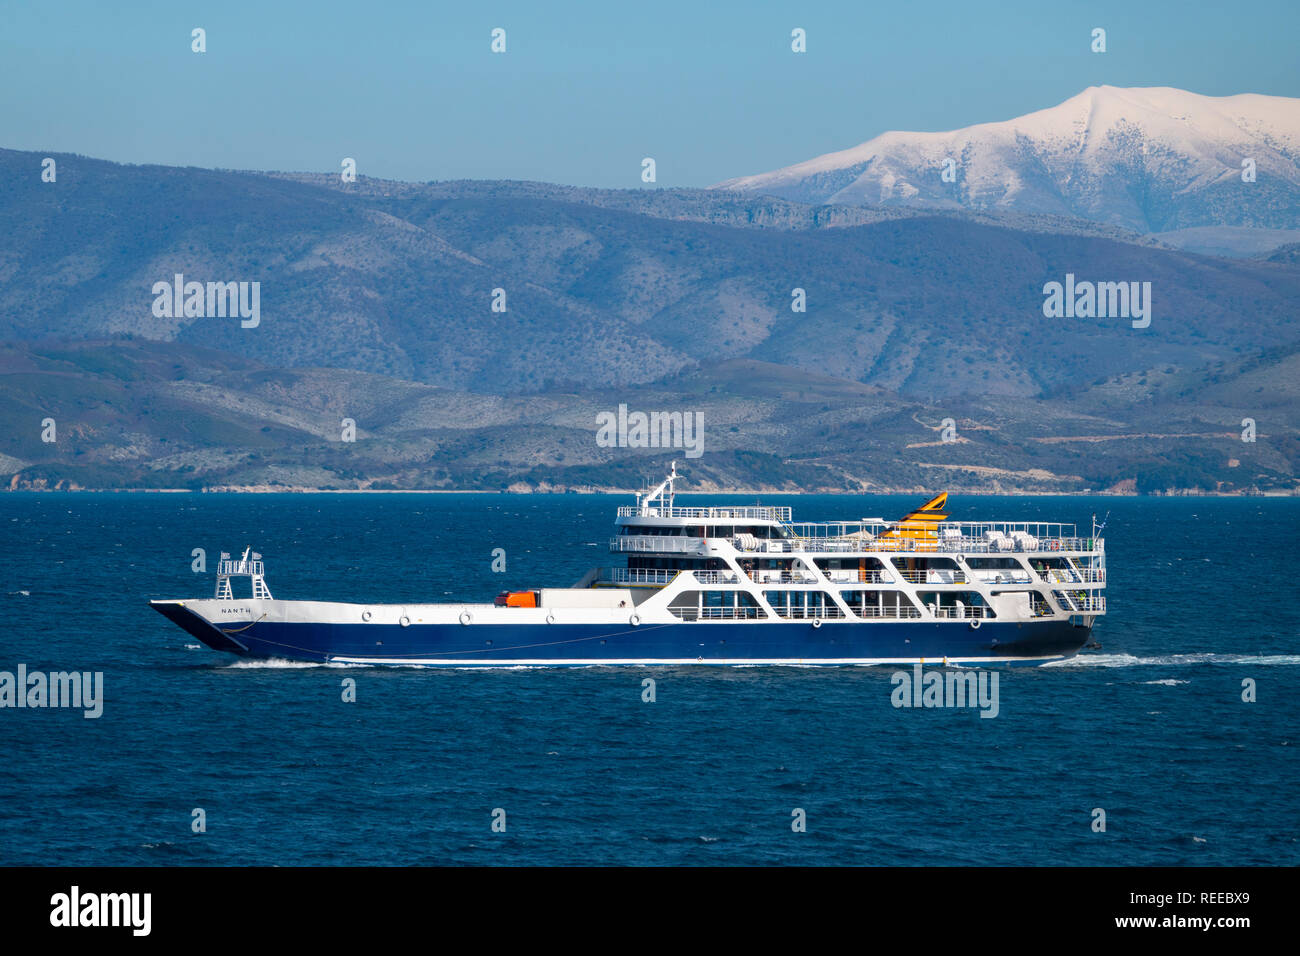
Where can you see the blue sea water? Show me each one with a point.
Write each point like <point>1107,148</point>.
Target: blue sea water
<point>1152,728</point>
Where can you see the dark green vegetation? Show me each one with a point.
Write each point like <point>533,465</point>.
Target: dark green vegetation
<point>375,306</point>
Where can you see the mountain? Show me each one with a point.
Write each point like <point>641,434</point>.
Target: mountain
<point>1153,160</point>
<point>601,292</point>
<point>376,306</point>
<point>133,413</point>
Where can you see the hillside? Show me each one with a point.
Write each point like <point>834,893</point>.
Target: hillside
<point>140,414</point>
<point>376,306</point>
<point>399,282</point>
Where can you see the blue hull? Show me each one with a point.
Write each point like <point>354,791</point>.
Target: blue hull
<point>696,642</point>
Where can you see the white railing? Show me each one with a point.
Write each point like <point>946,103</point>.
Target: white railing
<point>762,576</point>
<point>717,577</point>
<point>1081,601</point>
<point>657,543</point>
<point>932,576</point>
<point>752,512</point>
<point>730,613</point>
<point>856,576</point>
<point>963,529</point>
<point>1068,576</point>
<point>859,545</point>
<point>961,613</point>
<point>638,575</point>
<point>240,567</point>
<point>894,612</point>
<point>829,611</point>
<point>717,613</point>
<point>1002,576</point>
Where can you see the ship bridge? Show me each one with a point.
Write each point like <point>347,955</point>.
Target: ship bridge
<point>656,525</point>
<point>752,561</point>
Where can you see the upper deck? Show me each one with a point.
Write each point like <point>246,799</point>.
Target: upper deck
<point>744,512</point>
<point>656,524</point>
<point>964,537</point>
<point>954,537</point>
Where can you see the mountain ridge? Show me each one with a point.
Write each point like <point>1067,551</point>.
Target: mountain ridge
<point>1151,159</point>
<point>376,306</point>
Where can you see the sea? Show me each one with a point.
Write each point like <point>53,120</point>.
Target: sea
<point>1176,742</point>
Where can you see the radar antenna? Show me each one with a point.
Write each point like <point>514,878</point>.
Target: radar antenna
<point>663,491</point>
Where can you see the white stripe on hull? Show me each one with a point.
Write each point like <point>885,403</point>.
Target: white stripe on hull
<point>674,661</point>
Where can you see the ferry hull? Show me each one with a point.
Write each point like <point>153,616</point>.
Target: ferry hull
<point>718,643</point>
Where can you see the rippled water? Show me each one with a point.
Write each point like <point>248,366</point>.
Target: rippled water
<point>1152,728</point>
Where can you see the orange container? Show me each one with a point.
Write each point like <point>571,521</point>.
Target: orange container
<point>518,599</point>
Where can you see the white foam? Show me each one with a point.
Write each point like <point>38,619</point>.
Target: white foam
<point>1175,660</point>
<point>277,664</point>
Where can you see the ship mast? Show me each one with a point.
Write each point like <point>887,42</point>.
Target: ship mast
<point>663,491</point>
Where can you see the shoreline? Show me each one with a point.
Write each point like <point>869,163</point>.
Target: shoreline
<point>265,490</point>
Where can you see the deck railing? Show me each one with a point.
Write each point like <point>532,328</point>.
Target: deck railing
<point>657,543</point>
<point>826,612</point>
<point>717,613</point>
<point>857,576</point>
<point>637,575</point>
<point>717,577</point>
<point>891,612</point>
<point>963,529</point>
<point>932,575</point>
<point>855,544</point>
<point>1069,576</point>
<point>961,613</point>
<point>1081,602</point>
<point>750,512</point>
<point>764,576</point>
<point>1002,576</point>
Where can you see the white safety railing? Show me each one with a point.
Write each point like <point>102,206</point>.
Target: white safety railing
<point>717,613</point>
<point>637,575</point>
<point>750,513</point>
<point>932,575</point>
<point>885,612</point>
<point>657,543</point>
<point>762,576</point>
<point>962,613</point>
<point>717,577</point>
<point>828,611</point>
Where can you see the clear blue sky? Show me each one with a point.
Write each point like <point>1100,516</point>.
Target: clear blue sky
<point>710,89</point>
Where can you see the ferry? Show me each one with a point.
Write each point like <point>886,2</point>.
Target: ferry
<point>726,585</point>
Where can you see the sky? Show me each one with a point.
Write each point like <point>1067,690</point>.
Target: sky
<point>585,91</point>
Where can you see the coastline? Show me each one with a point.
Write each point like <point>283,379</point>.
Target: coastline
<point>515,490</point>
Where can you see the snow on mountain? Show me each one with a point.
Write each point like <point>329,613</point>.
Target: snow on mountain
<point>1150,159</point>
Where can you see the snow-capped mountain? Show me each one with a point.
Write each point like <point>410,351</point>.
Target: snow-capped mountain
<point>1149,159</point>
